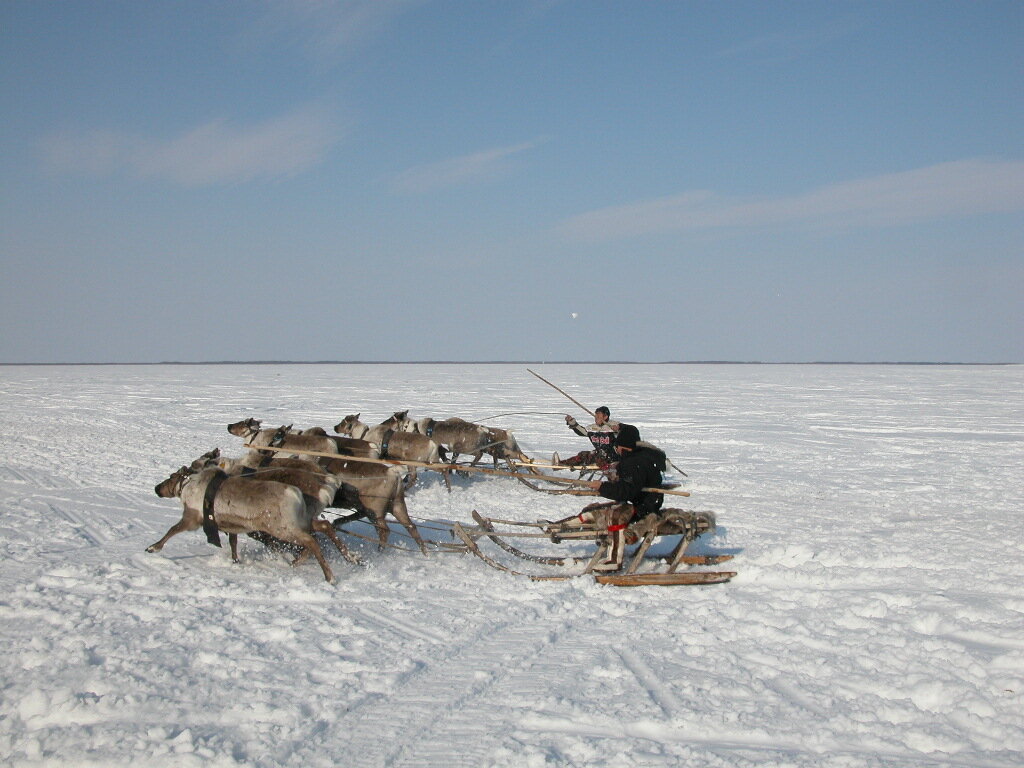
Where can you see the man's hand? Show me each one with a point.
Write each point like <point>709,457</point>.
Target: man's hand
<point>570,421</point>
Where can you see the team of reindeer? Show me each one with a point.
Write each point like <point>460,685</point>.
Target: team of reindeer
<point>277,496</point>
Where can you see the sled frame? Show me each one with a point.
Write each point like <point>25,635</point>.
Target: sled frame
<point>687,525</point>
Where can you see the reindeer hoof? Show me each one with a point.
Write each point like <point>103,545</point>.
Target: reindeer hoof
<point>153,548</point>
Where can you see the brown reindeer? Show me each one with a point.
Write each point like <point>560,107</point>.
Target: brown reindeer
<point>284,437</point>
<point>502,445</point>
<point>395,444</point>
<point>457,435</point>
<point>347,446</point>
<point>381,491</point>
<point>372,490</point>
<point>244,506</point>
<point>307,477</point>
<point>312,479</point>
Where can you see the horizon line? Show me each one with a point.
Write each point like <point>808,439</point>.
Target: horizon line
<point>524,362</point>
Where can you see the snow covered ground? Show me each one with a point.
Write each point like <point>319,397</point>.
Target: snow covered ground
<point>877,619</point>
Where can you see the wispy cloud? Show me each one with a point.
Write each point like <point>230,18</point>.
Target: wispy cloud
<point>792,44</point>
<point>459,171</point>
<point>954,189</point>
<point>216,152</point>
<point>327,31</point>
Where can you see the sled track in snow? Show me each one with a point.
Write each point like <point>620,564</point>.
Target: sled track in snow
<point>437,698</point>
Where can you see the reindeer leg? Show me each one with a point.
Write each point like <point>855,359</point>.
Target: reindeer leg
<point>322,526</point>
<point>233,542</point>
<point>307,541</point>
<point>178,527</point>
<point>459,472</point>
<point>383,532</point>
<point>401,513</point>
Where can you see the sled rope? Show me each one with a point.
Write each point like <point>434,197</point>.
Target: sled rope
<point>448,467</point>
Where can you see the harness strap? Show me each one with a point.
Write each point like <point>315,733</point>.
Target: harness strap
<point>209,523</point>
<point>249,471</point>
<point>384,443</point>
<point>430,428</point>
<point>268,456</point>
<point>279,436</point>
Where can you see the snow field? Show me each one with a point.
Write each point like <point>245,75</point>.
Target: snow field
<point>877,618</point>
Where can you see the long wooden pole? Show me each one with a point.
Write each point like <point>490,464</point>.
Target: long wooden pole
<point>677,469</point>
<point>441,467</point>
<point>581,405</point>
<point>573,467</point>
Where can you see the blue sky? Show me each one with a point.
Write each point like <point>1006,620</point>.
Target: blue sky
<point>774,181</point>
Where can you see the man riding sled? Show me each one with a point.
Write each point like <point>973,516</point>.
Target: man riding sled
<point>601,435</point>
<point>639,467</point>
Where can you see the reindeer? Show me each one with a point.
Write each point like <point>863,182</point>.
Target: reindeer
<point>395,444</point>
<point>502,445</point>
<point>308,478</point>
<point>312,479</point>
<point>347,446</point>
<point>284,437</point>
<point>457,435</point>
<point>352,483</point>
<point>380,490</point>
<point>244,506</point>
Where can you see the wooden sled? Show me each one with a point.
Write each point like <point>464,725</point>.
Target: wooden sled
<point>688,525</point>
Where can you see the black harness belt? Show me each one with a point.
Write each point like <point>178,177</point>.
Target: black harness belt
<point>209,524</point>
<point>385,440</point>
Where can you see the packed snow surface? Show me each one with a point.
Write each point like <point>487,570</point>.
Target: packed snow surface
<point>877,619</point>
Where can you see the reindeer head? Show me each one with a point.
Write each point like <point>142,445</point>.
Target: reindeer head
<point>172,486</point>
<point>346,425</point>
<point>246,428</point>
<point>399,419</point>
<point>208,458</point>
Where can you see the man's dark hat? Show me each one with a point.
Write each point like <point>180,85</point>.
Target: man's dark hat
<point>628,436</point>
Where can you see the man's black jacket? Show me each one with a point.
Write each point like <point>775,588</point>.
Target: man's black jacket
<point>638,469</point>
